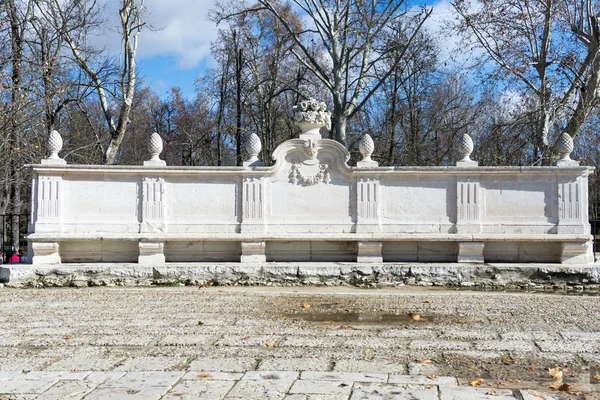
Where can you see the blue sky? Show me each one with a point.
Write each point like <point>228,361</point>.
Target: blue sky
<point>177,48</point>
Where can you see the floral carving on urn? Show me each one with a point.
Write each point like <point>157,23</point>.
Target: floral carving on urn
<point>310,116</point>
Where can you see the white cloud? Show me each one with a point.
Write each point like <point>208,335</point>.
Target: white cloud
<point>180,29</point>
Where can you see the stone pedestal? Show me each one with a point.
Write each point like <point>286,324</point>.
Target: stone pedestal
<point>470,252</point>
<point>253,252</point>
<point>369,252</point>
<point>151,253</point>
<point>45,253</point>
<point>576,253</point>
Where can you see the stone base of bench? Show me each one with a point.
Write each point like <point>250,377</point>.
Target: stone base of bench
<point>490,276</point>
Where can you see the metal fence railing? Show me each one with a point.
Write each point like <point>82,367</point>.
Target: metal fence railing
<point>13,230</point>
<point>595,225</point>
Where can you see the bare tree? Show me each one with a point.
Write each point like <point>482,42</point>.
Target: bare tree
<point>549,49</point>
<point>73,19</point>
<point>350,33</point>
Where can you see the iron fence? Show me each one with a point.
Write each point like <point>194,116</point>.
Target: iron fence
<point>13,228</point>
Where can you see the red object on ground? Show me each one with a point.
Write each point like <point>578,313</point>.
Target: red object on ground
<point>14,259</point>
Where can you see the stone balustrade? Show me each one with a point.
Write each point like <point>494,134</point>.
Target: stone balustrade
<point>310,206</point>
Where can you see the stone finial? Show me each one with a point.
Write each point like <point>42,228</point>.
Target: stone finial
<point>366,147</point>
<point>564,146</point>
<point>465,148</point>
<point>155,147</point>
<point>54,144</point>
<point>310,116</point>
<point>253,147</point>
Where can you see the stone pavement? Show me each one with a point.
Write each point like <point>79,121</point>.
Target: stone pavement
<point>296,343</point>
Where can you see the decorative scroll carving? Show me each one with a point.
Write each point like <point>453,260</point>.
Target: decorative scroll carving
<point>298,178</point>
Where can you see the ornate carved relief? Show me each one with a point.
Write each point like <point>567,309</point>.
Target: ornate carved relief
<point>310,147</point>
<point>297,177</point>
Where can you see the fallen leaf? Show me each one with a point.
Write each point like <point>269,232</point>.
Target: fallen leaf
<point>432,377</point>
<point>204,376</point>
<point>477,382</point>
<point>538,395</point>
<point>556,373</point>
<point>424,361</point>
<point>246,338</point>
<point>561,388</point>
<point>346,327</point>
<point>200,323</point>
<point>271,345</point>
<point>68,337</point>
<point>597,376</point>
<point>414,317</point>
<point>427,301</point>
<point>491,393</point>
<point>132,391</point>
<point>305,305</point>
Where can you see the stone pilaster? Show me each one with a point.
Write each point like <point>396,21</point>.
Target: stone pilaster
<point>153,205</point>
<point>367,204</point>
<point>49,203</point>
<point>468,204</point>
<point>253,204</point>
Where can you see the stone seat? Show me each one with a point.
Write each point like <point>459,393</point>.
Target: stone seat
<point>360,247</point>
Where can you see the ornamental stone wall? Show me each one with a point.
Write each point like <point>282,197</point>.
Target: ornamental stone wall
<point>309,206</point>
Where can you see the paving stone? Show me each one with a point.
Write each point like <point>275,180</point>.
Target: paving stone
<point>26,386</point>
<point>199,389</point>
<point>68,390</point>
<point>378,391</point>
<point>535,395</point>
<point>408,333</point>
<point>263,385</point>
<point>86,363</point>
<point>344,376</point>
<point>303,341</point>
<point>134,392</point>
<point>505,345</point>
<point>473,355</point>
<point>475,394</point>
<point>438,345</point>
<point>421,369</point>
<point>369,366</point>
<point>247,340</point>
<point>296,364</point>
<point>144,379</point>
<point>309,387</point>
<point>122,340</point>
<point>375,343</point>
<point>24,363</point>
<point>533,335</point>
<point>459,334</point>
<point>224,364</point>
<point>586,336</point>
<point>316,397</point>
<point>188,340</point>
<point>553,346</point>
<point>101,377</point>
<point>215,376</point>
<point>423,380</point>
<point>153,364</point>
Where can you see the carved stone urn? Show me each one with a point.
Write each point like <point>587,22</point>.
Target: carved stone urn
<point>310,116</point>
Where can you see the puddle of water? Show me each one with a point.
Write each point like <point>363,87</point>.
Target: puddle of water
<point>359,318</point>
